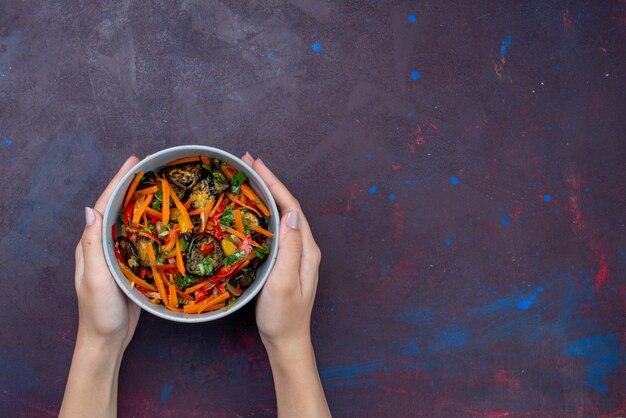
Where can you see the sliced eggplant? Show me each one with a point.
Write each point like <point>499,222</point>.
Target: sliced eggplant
<point>220,181</point>
<point>201,193</point>
<point>244,278</point>
<point>204,256</point>
<point>148,180</point>
<point>185,176</point>
<point>142,250</point>
<point>249,218</point>
<point>129,253</point>
<point>180,192</point>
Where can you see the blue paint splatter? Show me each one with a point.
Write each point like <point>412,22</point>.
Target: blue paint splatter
<point>448,242</point>
<point>6,142</point>
<point>368,20</point>
<point>450,340</point>
<point>372,189</point>
<point>271,56</point>
<point>316,47</point>
<point>332,309</point>
<point>167,389</point>
<point>454,180</point>
<point>411,348</point>
<point>524,304</point>
<point>409,115</point>
<point>407,181</point>
<point>540,289</point>
<point>506,42</point>
<point>209,81</point>
<point>504,220</point>
<point>415,75</point>
<point>547,197</point>
<point>412,19</point>
<point>369,155</point>
<point>603,351</point>
<point>286,36</point>
<point>392,196</point>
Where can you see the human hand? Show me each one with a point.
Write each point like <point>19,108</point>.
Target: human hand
<point>107,318</point>
<point>283,309</point>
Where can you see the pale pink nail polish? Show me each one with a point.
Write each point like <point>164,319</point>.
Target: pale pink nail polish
<point>90,217</point>
<point>293,220</point>
<point>249,156</point>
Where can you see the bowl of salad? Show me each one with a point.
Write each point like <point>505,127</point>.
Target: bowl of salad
<point>191,233</point>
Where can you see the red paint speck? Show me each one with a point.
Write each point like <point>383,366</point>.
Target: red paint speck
<point>395,167</point>
<point>567,20</point>
<point>603,271</point>
<point>3,48</point>
<point>417,138</point>
<point>502,376</point>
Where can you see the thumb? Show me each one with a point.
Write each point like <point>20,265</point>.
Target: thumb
<point>91,240</point>
<point>290,244</point>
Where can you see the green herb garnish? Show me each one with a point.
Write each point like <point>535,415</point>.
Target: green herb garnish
<point>236,182</point>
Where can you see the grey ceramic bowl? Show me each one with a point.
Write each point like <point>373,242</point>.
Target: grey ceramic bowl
<point>153,163</point>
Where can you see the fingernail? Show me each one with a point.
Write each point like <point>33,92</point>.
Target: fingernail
<point>249,156</point>
<point>90,217</point>
<point>293,220</point>
<point>260,161</point>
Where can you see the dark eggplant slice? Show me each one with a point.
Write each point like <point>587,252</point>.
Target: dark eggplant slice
<point>199,263</point>
<point>149,180</point>
<point>220,181</point>
<point>201,193</point>
<point>129,253</point>
<point>181,192</point>
<point>244,278</point>
<point>142,250</point>
<point>184,176</point>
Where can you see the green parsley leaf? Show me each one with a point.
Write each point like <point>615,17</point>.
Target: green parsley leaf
<point>262,252</point>
<point>183,282</point>
<point>233,258</point>
<point>236,182</point>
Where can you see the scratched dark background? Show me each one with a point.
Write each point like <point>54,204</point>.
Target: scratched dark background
<point>462,165</point>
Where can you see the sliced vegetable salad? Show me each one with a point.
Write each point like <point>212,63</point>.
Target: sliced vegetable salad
<point>192,235</point>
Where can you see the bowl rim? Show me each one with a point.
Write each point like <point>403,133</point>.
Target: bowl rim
<point>121,280</point>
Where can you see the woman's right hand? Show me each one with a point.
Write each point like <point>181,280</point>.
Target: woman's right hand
<point>283,309</point>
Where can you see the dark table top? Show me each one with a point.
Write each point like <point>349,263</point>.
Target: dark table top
<point>461,164</point>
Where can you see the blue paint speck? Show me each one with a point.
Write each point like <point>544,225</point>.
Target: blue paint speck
<point>386,369</point>
<point>6,142</point>
<point>547,197</point>
<point>454,180</point>
<point>540,289</point>
<point>286,36</point>
<point>392,196</point>
<point>415,75</point>
<point>271,56</point>
<point>316,47</point>
<point>533,297</point>
<point>448,242</point>
<point>368,20</point>
<point>504,220</point>
<point>209,81</point>
<point>409,115</point>
<point>407,181</point>
<point>165,392</point>
<point>372,189</point>
<point>412,19</point>
<point>506,42</point>
<point>524,304</point>
<point>369,155</point>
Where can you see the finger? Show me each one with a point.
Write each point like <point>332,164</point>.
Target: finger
<point>91,243</point>
<point>285,200</point>
<point>104,197</point>
<point>247,158</point>
<point>80,265</point>
<point>286,273</point>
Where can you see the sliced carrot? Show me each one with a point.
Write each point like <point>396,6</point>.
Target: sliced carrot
<point>139,211</point>
<point>196,212</point>
<point>146,191</point>
<point>217,205</point>
<point>173,302</point>
<point>159,283</point>
<point>153,213</point>
<point>165,204</point>
<point>207,303</point>
<point>189,201</point>
<point>229,172</point>
<point>183,295</point>
<point>197,286</point>
<point>186,225</point>
<point>194,159</point>
<point>238,220</point>
<point>179,259</point>
<point>214,307</point>
<point>131,190</point>
<point>172,242</point>
<point>205,160</point>
<point>243,204</point>
<point>261,230</point>
<point>254,198</point>
<point>241,236</point>
<point>134,279</point>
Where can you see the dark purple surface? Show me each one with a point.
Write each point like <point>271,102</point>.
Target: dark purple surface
<point>461,163</point>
